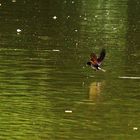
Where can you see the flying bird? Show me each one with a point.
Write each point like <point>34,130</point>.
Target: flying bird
<point>95,61</point>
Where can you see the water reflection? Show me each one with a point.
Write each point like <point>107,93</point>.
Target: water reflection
<point>95,90</point>
<point>42,70</point>
<point>132,57</point>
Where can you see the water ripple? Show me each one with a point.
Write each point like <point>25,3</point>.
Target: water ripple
<point>128,77</point>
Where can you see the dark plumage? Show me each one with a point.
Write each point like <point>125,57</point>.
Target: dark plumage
<point>102,55</point>
<point>95,61</point>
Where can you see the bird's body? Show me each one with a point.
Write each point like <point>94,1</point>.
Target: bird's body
<point>95,61</point>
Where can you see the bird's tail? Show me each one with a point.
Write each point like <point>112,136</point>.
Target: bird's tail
<point>101,69</point>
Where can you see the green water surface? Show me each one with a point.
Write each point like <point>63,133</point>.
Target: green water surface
<point>46,90</point>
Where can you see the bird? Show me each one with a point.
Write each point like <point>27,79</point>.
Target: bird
<point>95,61</point>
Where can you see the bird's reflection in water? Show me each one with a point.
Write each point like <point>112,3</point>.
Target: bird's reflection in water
<point>95,89</point>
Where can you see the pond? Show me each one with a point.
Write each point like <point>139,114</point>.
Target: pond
<point>46,89</point>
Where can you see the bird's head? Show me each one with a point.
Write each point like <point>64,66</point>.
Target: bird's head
<point>89,63</point>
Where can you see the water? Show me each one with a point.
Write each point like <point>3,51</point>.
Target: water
<point>46,89</point>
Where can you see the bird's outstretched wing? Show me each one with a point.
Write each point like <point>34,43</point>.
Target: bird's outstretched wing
<point>93,57</point>
<point>102,56</point>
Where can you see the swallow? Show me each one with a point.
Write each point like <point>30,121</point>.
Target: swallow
<point>95,61</point>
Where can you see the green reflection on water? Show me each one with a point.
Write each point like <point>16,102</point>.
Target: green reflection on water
<point>43,71</point>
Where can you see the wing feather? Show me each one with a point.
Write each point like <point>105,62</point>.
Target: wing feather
<point>93,57</point>
<point>102,56</point>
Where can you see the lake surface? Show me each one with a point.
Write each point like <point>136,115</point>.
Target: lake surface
<point>46,90</point>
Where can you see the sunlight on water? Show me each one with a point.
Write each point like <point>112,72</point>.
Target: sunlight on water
<point>47,92</point>
<point>126,77</point>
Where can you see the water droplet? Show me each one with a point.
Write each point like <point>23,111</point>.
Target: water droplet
<point>68,17</point>
<point>114,28</point>
<point>54,50</point>
<point>76,44</point>
<point>73,2</point>
<point>54,17</point>
<point>107,13</point>
<point>13,0</point>
<point>85,18</point>
<point>18,30</point>
<point>68,111</point>
<point>83,83</point>
<point>135,128</point>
